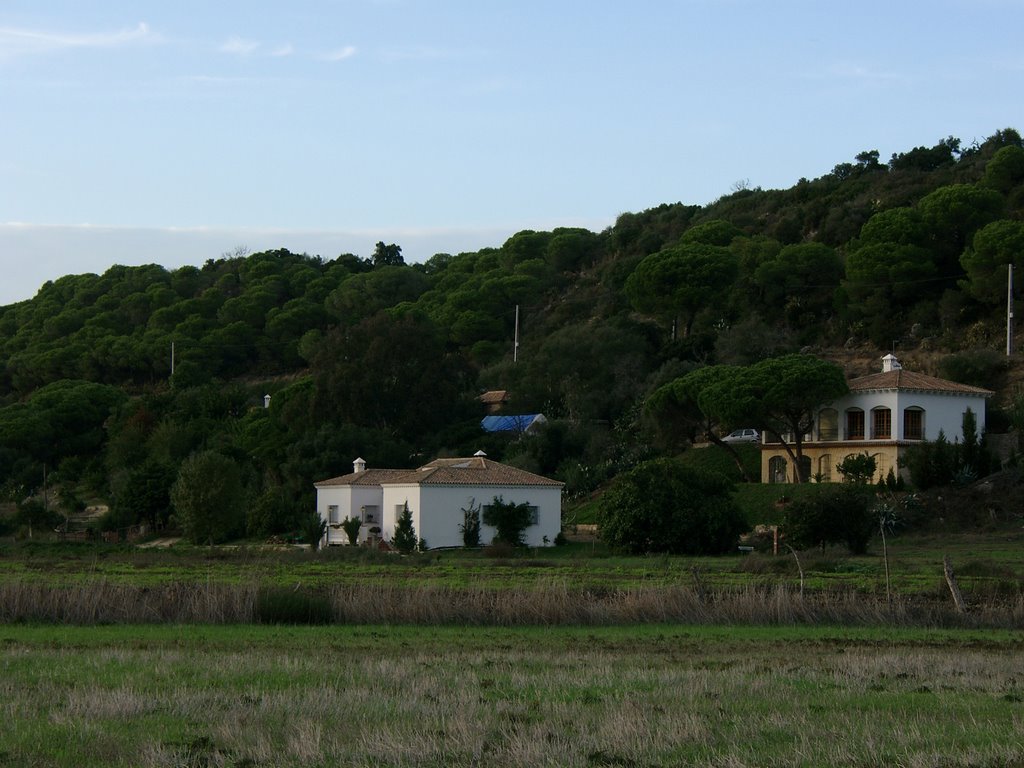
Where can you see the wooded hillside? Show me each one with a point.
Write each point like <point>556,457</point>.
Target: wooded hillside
<point>376,358</point>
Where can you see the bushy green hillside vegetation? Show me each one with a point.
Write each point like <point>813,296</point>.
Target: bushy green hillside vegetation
<point>377,358</point>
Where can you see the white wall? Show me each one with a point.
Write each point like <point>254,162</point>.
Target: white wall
<point>350,499</point>
<point>397,495</point>
<point>943,412</point>
<point>437,511</point>
<point>339,495</point>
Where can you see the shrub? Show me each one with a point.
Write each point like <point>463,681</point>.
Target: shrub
<point>858,468</point>
<point>939,462</point>
<point>665,506</point>
<point>470,527</point>
<point>510,520</point>
<point>281,605</point>
<point>931,462</point>
<point>313,528</point>
<point>832,514</point>
<point>351,526</point>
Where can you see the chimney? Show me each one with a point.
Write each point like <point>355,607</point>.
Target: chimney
<point>890,363</point>
<point>358,466</point>
<point>266,401</point>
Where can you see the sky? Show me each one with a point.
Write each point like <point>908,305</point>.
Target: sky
<point>172,133</point>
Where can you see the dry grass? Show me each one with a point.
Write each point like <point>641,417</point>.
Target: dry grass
<point>547,604</point>
<point>510,698</point>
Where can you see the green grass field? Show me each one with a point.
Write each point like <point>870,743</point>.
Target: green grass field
<point>570,656</point>
<point>988,563</point>
<point>401,696</point>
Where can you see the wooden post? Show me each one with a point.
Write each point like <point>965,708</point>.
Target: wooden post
<point>954,588</point>
<point>885,557</point>
<point>799,568</point>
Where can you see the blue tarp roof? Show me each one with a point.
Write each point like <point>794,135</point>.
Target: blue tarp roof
<point>508,423</point>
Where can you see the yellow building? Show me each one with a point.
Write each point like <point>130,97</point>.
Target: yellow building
<point>883,414</point>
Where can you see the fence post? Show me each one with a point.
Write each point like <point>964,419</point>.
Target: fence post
<point>954,588</point>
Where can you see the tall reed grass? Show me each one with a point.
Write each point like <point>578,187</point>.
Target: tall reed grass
<point>548,604</point>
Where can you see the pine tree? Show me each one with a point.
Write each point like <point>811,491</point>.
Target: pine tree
<point>404,539</point>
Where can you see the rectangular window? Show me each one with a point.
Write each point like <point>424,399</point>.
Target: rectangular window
<point>913,424</point>
<point>370,514</point>
<point>333,515</point>
<point>855,425</point>
<point>881,423</point>
<point>533,515</point>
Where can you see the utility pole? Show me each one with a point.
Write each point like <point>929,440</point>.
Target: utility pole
<point>1009,309</point>
<point>172,357</point>
<point>515,345</point>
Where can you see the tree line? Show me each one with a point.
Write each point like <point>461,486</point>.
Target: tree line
<point>375,357</point>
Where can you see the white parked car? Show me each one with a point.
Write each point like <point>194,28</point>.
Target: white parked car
<point>743,436</point>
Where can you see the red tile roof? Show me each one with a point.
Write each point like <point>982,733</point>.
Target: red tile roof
<point>918,382</point>
<point>366,477</point>
<point>475,470</point>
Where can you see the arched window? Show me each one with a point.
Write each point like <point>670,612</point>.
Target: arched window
<point>776,469</point>
<point>881,423</point>
<point>854,424</point>
<point>825,468</point>
<point>913,423</point>
<point>828,424</point>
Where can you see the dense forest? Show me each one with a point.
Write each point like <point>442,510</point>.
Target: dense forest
<point>377,358</point>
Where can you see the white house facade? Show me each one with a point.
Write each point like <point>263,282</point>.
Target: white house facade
<point>436,494</point>
<point>882,414</point>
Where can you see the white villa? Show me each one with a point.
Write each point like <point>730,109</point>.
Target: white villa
<point>437,493</point>
<point>883,414</point>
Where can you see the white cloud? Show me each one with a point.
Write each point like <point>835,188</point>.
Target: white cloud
<point>283,50</point>
<point>16,41</point>
<point>340,54</point>
<point>239,46</point>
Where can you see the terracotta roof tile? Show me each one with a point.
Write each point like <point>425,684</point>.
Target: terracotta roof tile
<point>366,477</point>
<point>911,380</point>
<point>475,470</point>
